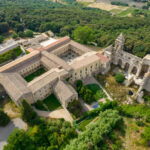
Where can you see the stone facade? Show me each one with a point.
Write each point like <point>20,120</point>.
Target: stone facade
<point>62,59</point>
<point>136,68</point>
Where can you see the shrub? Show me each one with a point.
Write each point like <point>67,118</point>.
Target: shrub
<point>1,39</point>
<point>96,132</point>
<point>140,123</point>
<point>39,105</point>
<point>75,108</point>
<point>29,33</point>
<point>4,119</point>
<point>119,77</point>
<point>147,119</point>
<point>27,112</point>
<point>119,3</point>
<point>14,35</point>
<point>146,137</point>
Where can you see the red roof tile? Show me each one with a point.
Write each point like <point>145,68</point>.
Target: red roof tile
<point>55,43</point>
<point>102,57</point>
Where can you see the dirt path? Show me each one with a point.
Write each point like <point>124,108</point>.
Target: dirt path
<point>61,113</point>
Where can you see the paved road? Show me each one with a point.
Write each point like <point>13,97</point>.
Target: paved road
<point>6,131</point>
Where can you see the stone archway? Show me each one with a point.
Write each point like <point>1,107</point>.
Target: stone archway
<point>127,65</point>
<point>120,62</point>
<point>144,70</point>
<point>134,70</point>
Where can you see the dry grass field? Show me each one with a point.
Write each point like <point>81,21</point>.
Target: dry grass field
<point>107,6</point>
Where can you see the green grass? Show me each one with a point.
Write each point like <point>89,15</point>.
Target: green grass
<point>40,105</point>
<point>126,12</point>
<point>10,55</point>
<point>52,102</point>
<point>35,74</point>
<point>84,123</point>
<point>97,91</point>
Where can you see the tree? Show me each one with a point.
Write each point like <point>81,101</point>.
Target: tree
<point>95,133</point>
<point>14,35</point>
<point>119,77</point>
<point>4,119</point>
<point>4,27</point>
<point>19,140</point>
<point>19,27</point>
<point>21,34</point>
<point>27,112</point>
<point>83,34</point>
<point>1,39</point>
<point>29,33</point>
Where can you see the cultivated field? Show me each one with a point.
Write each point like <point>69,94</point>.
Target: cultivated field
<point>114,9</point>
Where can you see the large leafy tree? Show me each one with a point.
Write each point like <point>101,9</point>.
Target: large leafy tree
<point>19,140</point>
<point>84,34</point>
<point>27,112</point>
<point>93,137</point>
<point>4,27</point>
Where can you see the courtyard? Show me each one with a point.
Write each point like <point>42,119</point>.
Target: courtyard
<point>69,56</point>
<point>50,103</point>
<point>35,74</point>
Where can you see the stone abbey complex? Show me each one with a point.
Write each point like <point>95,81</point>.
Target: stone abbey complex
<point>65,59</point>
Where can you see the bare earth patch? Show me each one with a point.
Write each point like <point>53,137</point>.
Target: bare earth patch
<point>106,6</point>
<point>12,110</point>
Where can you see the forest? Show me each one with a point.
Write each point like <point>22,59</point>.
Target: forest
<point>64,18</point>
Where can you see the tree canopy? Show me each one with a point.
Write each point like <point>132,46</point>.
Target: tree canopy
<point>83,34</point>
<point>81,23</point>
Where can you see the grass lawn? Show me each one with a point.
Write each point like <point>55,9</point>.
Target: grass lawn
<point>52,102</point>
<point>97,91</point>
<point>35,74</point>
<point>84,123</point>
<point>10,55</point>
<point>40,105</point>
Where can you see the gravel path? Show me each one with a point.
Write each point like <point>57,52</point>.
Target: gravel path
<point>60,113</point>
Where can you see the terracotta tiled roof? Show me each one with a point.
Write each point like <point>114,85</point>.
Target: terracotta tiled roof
<point>102,57</point>
<point>55,43</point>
<point>30,50</point>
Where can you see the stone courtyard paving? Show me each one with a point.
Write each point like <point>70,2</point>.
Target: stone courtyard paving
<point>6,131</point>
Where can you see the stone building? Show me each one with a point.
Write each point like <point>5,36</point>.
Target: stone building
<point>137,69</point>
<point>10,44</point>
<point>61,60</point>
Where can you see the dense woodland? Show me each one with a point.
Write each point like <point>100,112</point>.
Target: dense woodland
<point>63,19</point>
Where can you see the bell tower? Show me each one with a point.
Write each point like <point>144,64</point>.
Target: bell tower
<point>119,43</point>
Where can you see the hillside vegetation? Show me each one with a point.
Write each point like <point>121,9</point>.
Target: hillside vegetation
<point>63,19</point>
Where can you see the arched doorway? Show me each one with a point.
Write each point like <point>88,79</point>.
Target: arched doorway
<point>144,70</point>
<point>134,70</point>
<point>120,62</point>
<point>126,67</point>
